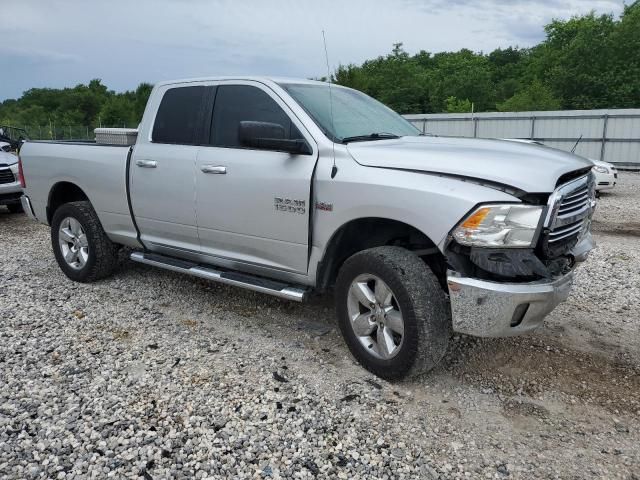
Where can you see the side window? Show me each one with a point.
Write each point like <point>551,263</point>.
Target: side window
<point>179,116</point>
<point>237,103</point>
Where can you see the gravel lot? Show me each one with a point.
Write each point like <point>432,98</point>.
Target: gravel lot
<point>155,375</point>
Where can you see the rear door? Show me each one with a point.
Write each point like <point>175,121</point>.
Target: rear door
<point>162,183</point>
<point>253,205</point>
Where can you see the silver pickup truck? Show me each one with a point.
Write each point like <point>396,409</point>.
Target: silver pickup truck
<point>289,187</point>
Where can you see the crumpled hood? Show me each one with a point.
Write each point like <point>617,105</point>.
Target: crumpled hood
<point>531,168</point>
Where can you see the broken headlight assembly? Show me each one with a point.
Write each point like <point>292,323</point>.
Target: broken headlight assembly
<point>500,225</point>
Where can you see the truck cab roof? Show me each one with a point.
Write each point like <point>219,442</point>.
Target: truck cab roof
<point>249,78</point>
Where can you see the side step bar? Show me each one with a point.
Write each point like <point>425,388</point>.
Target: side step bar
<point>237,279</point>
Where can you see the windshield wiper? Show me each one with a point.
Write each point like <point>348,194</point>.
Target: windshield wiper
<point>371,136</point>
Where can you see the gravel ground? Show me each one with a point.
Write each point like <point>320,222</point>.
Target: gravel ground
<point>152,375</point>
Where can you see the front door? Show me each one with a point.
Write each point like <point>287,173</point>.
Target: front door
<point>253,205</point>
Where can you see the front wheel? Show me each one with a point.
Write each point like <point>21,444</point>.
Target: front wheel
<point>80,245</point>
<point>392,312</point>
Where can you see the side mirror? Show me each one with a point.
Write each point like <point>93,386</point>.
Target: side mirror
<point>270,136</point>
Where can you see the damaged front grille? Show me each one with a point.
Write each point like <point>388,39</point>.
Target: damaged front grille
<point>568,216</point>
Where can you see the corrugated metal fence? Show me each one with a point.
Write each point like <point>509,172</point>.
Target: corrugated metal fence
<point>609,135</point>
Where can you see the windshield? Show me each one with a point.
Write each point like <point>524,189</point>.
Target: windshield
<point>354,113</point>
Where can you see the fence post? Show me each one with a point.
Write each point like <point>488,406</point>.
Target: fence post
<point>533,126</point>
<point>604,136</point>
<point>475,127</point>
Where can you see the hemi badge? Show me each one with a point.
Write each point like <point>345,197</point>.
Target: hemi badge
<point>327,207</point>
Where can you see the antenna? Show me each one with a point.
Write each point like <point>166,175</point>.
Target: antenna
<point>334,169</point>
<point>573,150</point>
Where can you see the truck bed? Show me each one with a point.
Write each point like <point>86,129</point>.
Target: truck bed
<point>100,171</point>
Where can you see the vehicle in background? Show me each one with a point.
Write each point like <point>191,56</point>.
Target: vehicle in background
<point>606,175</point>
<point>276,186</point>
<point>13,136</point>
<point>5,147</point>
<point>10,189</point>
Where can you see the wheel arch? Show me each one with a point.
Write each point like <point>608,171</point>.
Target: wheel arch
<point>368,232</point>
<point>61,193</point>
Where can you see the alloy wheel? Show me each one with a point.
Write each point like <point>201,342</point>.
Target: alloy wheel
<point>73,243</point>
<point>375,316</point>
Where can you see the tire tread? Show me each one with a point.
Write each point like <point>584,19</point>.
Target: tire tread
<point>415,283</point>
<point>105,252</point>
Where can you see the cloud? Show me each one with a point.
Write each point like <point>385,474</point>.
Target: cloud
<point>35,56</point>
<point>65,42</point>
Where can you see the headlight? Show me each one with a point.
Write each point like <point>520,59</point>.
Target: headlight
<point>600,169</point>
<point>499,226</point>
<point>14,168</point>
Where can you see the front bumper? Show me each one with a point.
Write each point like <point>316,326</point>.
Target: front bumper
<point>605,181</point>
<point>493,309</point>
<point>10,193</point>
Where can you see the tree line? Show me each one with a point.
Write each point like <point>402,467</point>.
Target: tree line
<point>586,62</point>
<point>91,106</point>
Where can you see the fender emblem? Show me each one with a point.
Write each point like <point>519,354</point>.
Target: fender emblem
<point>327,207</point>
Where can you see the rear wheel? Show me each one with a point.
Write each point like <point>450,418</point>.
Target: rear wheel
<point>81,247</point>
<point>392,312</point>
<point>15,208</point>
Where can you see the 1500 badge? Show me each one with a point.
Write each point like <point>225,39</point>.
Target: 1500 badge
<point>290,205</point>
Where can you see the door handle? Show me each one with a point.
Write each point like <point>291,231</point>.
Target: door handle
<point>216,169</point>
<point>147,163</point>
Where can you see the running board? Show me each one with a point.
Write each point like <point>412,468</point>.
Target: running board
<point>237,279</point>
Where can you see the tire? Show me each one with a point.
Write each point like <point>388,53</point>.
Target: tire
<point>415,296</point>
<point>15,208</point>
<point>95,254</point>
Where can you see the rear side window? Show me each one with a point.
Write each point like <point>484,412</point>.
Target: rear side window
<point>237,103</point>
<point>180,116</point>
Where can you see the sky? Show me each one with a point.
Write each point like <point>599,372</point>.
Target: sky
<point>60,43</point>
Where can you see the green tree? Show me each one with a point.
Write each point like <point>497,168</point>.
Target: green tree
<point>83,105</point>
<point>534,97</point>
<point>591,61</point>
<point>508,71</point>
<point>396,80</point>
<point>462,74</point>
<point>140,102</point>
<point>117,111</point>
<point>455,105</point>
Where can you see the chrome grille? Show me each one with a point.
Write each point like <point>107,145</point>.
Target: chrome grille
<point>565,231</point>
<point>6,175</point>
<point>568,216</point>
<point>575,203</point>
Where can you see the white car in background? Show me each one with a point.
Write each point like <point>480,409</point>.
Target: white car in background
<point>5,147</point>
<point>10,189</point>
<point>606,174</point>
